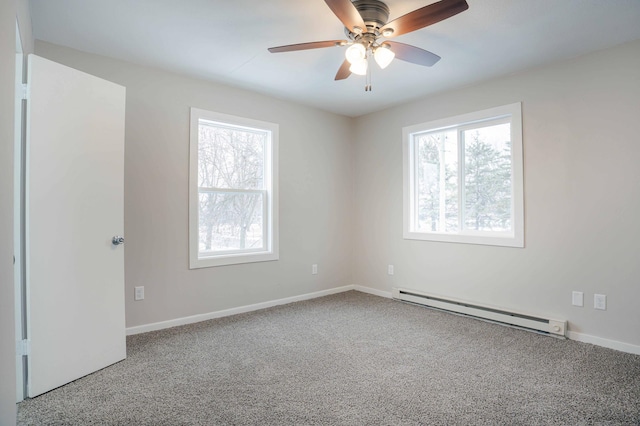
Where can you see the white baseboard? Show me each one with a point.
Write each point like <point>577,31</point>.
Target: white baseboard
<point>233,311</point>
<point>572,335</point>
<point>373,291</point>
<point>607,343</point>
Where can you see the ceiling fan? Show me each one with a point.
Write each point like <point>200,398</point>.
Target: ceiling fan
<point>367,29</point>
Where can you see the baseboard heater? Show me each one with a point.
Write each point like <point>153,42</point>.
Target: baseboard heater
<point>545,325</point>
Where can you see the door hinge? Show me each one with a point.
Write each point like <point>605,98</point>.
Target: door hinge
<point>25,91</point>
<point>23,347</point>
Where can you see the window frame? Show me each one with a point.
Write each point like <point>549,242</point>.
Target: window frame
<point>459,123</point>
<point>270,251</point>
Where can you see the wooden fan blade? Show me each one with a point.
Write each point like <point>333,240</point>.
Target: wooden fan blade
<point>415,55</point>
<point>425,16</point>
<point>343,72</point>
<point>306,46</point>
<point>347,14</point>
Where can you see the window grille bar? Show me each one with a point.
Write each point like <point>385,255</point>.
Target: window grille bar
<point>232,191</point>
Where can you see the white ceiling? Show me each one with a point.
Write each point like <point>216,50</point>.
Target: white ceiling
<point>226,41</point>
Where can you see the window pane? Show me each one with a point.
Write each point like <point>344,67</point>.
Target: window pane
<point>487,178</point>
<point>436,169</point>
<point>231,221</point>
<point>230,157</point>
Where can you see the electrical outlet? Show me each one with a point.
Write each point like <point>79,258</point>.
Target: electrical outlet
<point>314,269</point>
<point>577,298</point>
<point>600,302</point>
<point>139,293</point>
<point>390,270</point>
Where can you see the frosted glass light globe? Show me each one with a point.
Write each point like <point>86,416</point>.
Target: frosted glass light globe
<point>383,56</point>
<point>359,67</point>
<point>355,53</point>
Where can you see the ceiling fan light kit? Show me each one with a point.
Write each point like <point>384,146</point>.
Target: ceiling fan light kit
<point>383,55</point>
<point>355,53</point>
<point>359,67</point>
<point>367,21</point>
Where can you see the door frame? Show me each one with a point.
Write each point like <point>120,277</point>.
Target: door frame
<point>18,219</point>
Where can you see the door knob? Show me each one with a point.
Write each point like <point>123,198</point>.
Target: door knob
<point>117,240</point>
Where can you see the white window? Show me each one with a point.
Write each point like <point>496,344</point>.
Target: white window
<point>233,190</point>
<point>463,179</point>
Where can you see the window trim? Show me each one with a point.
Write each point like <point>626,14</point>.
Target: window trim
<point>271,251</point>
<point>473,119</point>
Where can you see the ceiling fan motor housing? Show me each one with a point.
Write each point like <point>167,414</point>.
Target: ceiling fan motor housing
<point>375,13</point>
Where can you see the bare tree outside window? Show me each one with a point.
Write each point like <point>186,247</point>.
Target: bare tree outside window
<point>233,190</point>
<point>231,187</point>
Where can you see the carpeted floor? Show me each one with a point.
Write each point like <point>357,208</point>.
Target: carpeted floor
<point>349,359</point>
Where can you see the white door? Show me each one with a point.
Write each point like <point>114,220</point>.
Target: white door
<point>74,197</point>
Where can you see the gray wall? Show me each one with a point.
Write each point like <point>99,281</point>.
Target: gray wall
<point>315,194</point>
<point>341,201</point>
<point>582,186</point>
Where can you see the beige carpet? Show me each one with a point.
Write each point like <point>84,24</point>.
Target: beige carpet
<point>349,359</point>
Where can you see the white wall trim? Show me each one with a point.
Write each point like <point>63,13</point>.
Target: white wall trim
<point>607,343</point>
<point>233,311</point>
<point>374,291</point>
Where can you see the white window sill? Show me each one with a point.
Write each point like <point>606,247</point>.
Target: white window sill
<point>232,259</point>
<point>505,240</point>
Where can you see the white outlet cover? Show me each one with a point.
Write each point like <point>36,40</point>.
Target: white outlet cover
<point>314,269</point>
<point>577,298</point>
<point>600,302</point>
<point>139,293</point>
<point>390,270</point>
